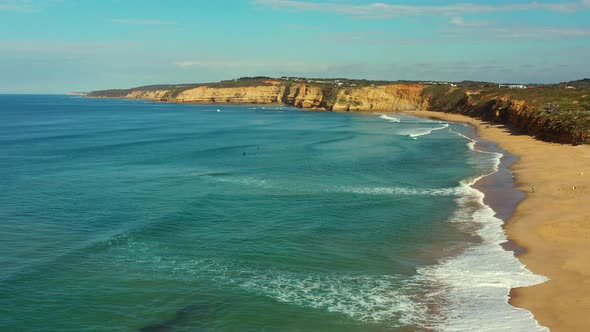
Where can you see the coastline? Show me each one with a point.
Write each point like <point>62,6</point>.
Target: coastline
<point>548,230</point>
<point>551,224</point>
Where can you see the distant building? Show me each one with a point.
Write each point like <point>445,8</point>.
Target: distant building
<point>512,86</point>
<point>570,87</point>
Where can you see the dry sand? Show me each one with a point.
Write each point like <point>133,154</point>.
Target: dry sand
<point>552,224</point>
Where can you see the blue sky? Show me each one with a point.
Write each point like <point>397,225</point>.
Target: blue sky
<point>55,46</point>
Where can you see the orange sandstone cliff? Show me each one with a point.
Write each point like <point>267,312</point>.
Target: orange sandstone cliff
<point>520,110</point>
<point>393,97</point>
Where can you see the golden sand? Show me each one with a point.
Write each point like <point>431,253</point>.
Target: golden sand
<point>552,224</point>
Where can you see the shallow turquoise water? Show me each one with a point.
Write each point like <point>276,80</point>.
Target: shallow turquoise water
<point>122,215</point>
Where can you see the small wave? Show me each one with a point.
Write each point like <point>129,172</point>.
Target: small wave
<point>245,181</point>
<point>400,191</point>
<point>388,118</point>
<point>415,133</point>
<point>497,156</point>
<point>297,187</point>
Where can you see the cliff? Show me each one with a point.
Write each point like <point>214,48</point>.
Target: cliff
<point>239,95</point>
<point>398,97</point>
<point>392,97</point>
<point>549,113</point>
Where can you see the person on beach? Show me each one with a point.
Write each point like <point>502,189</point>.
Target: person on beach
<point>533,188</point>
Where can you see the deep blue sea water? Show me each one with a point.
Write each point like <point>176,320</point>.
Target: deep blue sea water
<point>127,215</point>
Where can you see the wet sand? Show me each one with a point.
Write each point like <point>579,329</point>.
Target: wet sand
<point>552,223</point>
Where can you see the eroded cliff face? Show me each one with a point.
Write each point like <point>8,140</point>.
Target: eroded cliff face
<point>148,94</point>
<point>240,95</point>
<point>395,97</point>
<point>307,96</point>
<point>301,95</point>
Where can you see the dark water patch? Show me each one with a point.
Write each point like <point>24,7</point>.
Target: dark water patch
<point>190,313</point>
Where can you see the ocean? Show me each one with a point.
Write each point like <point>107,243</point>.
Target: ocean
<point>130,215</point>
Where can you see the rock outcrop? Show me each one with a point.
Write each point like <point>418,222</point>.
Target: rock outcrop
<point>307,96</point>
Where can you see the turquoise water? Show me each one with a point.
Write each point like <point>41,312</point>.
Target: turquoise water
<point>124,215</point>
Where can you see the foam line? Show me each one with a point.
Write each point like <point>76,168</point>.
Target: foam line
<point>427,131</point>
<point>476,284</point>
<point>400,191</point>
<point>388,118</point>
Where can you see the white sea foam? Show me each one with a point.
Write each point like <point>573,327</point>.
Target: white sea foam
<point>371,298</point>
<point>417,132</point>
<point>245,181</point>
<point>381,299</point>
<point>387,117</point>
<point>303,188</point>
<point>399,191</point>
<point>475,285</point>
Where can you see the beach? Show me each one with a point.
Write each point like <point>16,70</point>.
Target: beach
<point>552,224</point>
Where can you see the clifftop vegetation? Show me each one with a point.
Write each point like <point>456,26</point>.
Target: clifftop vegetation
<point>551,112</point>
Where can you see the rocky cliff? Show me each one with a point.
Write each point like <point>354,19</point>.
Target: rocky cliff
<point>237,95</point>
<point>523,111</point>
<point>399,97</point>
<point>540,112</point>
<point>393,97</point>
<point>147,94</point>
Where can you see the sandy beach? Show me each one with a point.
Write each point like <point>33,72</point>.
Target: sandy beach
<point>552,224</point>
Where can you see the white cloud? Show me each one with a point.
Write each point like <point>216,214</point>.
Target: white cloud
<point>383,10</point>
<point>460,22</point>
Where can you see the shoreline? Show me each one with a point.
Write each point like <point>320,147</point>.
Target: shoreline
<point>551,224</point>
<point>549,230</point>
